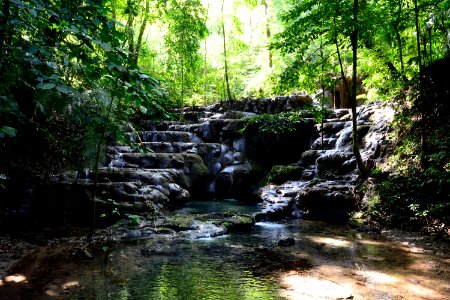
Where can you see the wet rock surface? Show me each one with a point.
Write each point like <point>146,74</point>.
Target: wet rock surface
<point>327,188</point>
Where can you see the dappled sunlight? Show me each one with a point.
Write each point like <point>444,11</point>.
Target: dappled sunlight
<point>17,278</point>
<point>421,291</point>
<point>332,242</point>
<point>305,287</point>
<point>51,293</point>
<point>380,278</point>
<point>71,284</point>
<point>56,290</point>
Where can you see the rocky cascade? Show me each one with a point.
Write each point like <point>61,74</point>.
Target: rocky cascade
<point>204,155</point>
<point>326,188</point>
<point>201,156</point>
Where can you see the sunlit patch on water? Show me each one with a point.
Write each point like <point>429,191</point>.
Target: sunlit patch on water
<point>334,242</point>
<point>270,225</point>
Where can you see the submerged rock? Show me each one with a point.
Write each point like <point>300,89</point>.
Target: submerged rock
<point>290,241</point>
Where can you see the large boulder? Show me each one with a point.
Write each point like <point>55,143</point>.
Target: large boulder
<point>237,181</point>
<point>329,201</point>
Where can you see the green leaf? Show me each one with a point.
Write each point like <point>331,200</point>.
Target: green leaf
<point>33,13</point>
<point>46,86</point>
<point>7,131</point>
<point>64,89</point>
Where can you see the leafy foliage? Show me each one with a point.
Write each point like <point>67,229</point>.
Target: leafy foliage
<point>414,192</point>
<point>63,64</point>
<point>273,123</point>
<point>279,173</point>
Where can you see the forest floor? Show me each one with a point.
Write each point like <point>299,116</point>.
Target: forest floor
<point>391,265</point>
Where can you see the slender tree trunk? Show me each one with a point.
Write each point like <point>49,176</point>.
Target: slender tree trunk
<point>182,82</point>
<point>400,52</point>
<point>3,30</point>
<point>421,94</point>
<point>444,30</point>
<point>268,33</point>
<point>251,34</point>
<point>399,40</point>
<point>130,31</point>
<point>354,41</point>
<point>323,93</point>
<point>430,41</point>
<point>230,98</point>
<point>204,75</point>
<point>141,32</point>
<point>113,11</point>
<point>205,65</point>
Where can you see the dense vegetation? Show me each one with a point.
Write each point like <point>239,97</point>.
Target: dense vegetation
<point>74,74</point>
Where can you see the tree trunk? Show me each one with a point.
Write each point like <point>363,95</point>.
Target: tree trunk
<point>323,93</point>
<point>421,95</point>
<point>182,83</point>
<point>130,31</point>
<point>230,98</point>
<point>141,32</point>
<point>354,41</point>
<point>268,34</point>
<point>205,102</point>
<point>399,41</point>
<point>113,11</point>
<point>3,28</point>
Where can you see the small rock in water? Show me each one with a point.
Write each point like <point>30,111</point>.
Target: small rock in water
<point>297,214</point>
<point>286,242</point>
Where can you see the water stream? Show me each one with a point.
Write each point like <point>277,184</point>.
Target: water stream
<point>326,262</point>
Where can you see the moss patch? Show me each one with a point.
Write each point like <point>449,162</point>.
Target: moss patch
<point>280,174</point>
<point>178,222</point>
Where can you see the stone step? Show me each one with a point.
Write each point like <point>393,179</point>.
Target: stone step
<point>190,166</point>
<point>166,136</point>
<point>212,130</point>
<point>278,200</point>
<point>169,194</point>
<point>183,127</point>
<point>313,157</point>
<point>328,144</point>
<point>148,176</point>
<point>213,155</point>
<point>333,127</point>
<point>202,149</point>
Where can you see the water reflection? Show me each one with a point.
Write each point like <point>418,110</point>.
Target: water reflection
<point>326,262</point>
<point>196,270</point>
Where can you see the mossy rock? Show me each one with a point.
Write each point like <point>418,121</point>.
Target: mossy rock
<point>238,222</point>
<point>178,222</point>
<point>280,174</point>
